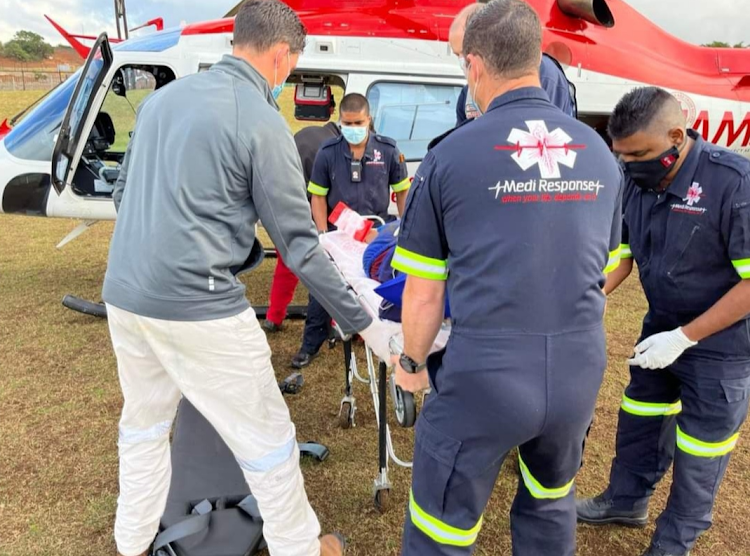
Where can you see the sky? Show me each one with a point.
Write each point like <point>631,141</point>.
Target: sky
<point>696,21</point>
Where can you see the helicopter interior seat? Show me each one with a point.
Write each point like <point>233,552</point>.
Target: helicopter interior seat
<point>93,177</point>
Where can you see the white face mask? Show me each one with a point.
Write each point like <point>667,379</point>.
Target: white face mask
<point>462,65</point>
<point>473,95</point>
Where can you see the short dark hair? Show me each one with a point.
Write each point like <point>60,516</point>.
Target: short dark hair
<point>260,24</point>
<point>507,35</point>
<point>354,102</point>
<point>637,110</point>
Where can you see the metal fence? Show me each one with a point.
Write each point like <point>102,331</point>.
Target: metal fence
<point>32,79</point>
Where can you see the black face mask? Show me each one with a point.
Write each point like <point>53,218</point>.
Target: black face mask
<point>648,174</point>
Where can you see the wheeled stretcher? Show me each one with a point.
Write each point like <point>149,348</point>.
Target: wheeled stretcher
<point>385,339</point>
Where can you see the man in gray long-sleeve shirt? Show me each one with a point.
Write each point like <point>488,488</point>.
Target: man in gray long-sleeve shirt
<point>209,157</point>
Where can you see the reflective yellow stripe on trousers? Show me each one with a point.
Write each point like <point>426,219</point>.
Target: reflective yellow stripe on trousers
<point>695,447</point>
<point>536,489</point>
<point>439,531</point>
<point>649,409</point>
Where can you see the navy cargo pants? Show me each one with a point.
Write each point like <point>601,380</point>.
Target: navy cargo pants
<point>492,394</point>
<point>691,413</point>
<point>317,327</point>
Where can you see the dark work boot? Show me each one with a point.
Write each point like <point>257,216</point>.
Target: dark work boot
<point>302,359</point>
<point>271,327</point>
<point>653,551</point>
<point>599,511</point>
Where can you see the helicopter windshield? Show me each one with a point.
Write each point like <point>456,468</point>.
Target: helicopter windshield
<point>33,138</point>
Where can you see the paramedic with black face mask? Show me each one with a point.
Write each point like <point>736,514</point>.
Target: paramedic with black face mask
<point>686,223</point>
<point>209,157</point>
<point>517,217</point>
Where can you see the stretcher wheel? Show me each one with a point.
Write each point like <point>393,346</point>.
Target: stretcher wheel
<point>346,416</point>
<point>406,408</point>
<point>382,500</point>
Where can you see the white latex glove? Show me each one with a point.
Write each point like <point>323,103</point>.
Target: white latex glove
<point>378,342</point>
<point>661,350</point>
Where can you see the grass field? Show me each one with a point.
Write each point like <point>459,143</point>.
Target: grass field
<point>60,403</point>
<point>12,102</point>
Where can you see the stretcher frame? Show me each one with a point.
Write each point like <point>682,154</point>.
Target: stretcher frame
<point>405,408</point>
<point>379,383</point>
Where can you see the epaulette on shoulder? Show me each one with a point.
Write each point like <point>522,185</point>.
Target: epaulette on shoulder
<point>331,142</point>
<point>729,159</point>
<point>386,140</point>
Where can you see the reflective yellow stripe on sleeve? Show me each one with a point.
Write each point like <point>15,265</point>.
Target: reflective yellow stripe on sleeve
<point>742,267</point>
<point>649,409</point>
<point>439,531</point>
<point>614,260</point>
<point>316,189</point>
<point>403,185</point>
<point>419,265</point>
<point>625,252</point>
<point>536,489</point>
<point>695,447</point>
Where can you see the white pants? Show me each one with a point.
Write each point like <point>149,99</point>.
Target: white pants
<point>223,367</point>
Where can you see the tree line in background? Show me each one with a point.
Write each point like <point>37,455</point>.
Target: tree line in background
<point>722,44</point>
<point>27,46</point>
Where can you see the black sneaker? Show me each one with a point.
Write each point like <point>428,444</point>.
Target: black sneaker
<point>302,359</point>
<point>270,327</point>
<point>654,551</point>
<point>599,511</point>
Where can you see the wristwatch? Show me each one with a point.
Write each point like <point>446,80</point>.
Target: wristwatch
<point>409,365</point>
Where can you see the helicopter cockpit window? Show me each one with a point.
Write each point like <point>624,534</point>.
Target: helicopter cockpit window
<point>130,88</point>
<point>114,124</point>
<point>33,137</point>
<point>413,114</point>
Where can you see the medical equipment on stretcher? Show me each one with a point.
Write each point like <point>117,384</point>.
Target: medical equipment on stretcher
<point>350,222</point>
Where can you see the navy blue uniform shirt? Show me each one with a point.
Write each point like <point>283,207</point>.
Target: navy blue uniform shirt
<point>692,242</point>
<point>521,213</point>
<point>383,169</point>
<point>553,82</point>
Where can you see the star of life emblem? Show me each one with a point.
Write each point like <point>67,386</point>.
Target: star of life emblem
<point>694,194</point>
<point>539,146</point>
<point>378,156</point>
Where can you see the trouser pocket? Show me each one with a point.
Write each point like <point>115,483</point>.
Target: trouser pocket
<point>434,460</point>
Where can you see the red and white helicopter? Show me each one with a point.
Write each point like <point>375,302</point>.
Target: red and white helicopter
<point>61,160</point>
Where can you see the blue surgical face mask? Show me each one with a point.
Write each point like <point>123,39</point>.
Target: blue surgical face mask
<point>276,91</point>
<point>354,135</point>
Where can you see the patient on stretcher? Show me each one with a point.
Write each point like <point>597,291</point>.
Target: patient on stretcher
<point>366,267</point>
<point>376,263</point>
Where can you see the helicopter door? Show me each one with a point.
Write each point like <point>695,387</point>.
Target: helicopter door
<point>68,147</point>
